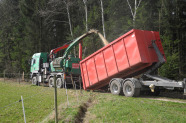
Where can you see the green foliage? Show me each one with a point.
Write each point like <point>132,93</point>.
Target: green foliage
<point>171,68</point>
<point>27,27</point>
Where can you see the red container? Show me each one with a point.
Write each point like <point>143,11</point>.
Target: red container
<point>129,55</point>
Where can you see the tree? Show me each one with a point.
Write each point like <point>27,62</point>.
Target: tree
<point>133,12</point>
<point>27,27</point>
<point>67,3</point>
<point>86,14</point>
<point>8,19</point>
<point>173,35</point>
<point>102,16</point>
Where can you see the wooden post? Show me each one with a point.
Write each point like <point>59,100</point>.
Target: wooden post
<point>77,94</point>
<point>72,81</point>
<point>55,99</point>
<point>80,84</point>
<point>4,75</point>
<point>27,77</point>
<point>19,77</point>
<point>23,76</point>
<point>23,109</point>
<point>66,93</point>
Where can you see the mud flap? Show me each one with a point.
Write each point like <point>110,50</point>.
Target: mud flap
<point>39,78</point>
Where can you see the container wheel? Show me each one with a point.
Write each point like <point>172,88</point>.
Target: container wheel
<point>59,83</point>
<point>116,88</point>
<point>34,80</point>
<point>51,82</point>
<point>129,89</point>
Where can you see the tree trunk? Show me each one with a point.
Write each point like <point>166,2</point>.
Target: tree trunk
<point>70,25</point>
<point>86,14</point>
<point>133,13</point>
<point>69,19</point>
<point>103,23</point>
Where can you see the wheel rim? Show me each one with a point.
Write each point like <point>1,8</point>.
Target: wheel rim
<point>34,81</point>
<point>58,81</point>
<point>50,83</point>
<point>115,88</point>
<point>128,89</point>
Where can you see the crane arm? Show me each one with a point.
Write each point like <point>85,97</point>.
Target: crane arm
<point>54,51</point>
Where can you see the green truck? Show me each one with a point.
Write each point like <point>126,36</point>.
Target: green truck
<point>66,68</point>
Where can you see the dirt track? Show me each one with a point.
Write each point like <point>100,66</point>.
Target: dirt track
<point>169,100</point>
<point>170,96</point>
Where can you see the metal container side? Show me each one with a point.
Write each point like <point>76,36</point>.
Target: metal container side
<point>130,54</point>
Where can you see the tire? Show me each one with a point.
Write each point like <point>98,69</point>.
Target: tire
<point>116,88</point>
<point>51,82</point>
<point>34,81</point>
<point>59,83</point>
<point>129,89</point>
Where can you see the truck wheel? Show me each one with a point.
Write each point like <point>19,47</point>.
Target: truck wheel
<point>51,82</point>
<point>59,83</point>
<point>34,80</point>
<point>115,88</point>
<point>129,89</point>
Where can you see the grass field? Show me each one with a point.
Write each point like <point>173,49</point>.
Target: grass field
<point>38,103</point>
<point>104,107</point>
<point>111,108</point>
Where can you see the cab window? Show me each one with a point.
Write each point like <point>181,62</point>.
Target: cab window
<point>33,61</point>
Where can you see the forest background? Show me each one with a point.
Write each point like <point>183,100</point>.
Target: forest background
<point>31,26</point>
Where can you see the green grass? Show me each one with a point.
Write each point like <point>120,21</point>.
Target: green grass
<point>111,108</point>
<point>39,105</point>
<point>38,102</point>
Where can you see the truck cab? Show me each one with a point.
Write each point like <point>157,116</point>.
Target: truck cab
<point>39,64</point>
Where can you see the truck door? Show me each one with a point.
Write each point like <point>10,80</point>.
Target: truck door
<point>35,65</point>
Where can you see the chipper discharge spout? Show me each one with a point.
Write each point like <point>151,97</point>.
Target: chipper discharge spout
<point>57,63</point>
